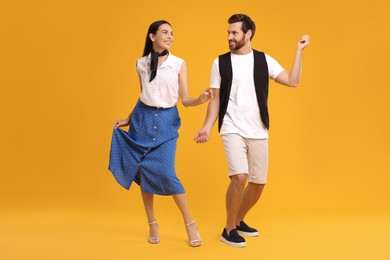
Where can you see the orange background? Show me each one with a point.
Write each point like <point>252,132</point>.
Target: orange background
<point>67,71</point>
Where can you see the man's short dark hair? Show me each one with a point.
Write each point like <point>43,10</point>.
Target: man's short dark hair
<point>247,23</point>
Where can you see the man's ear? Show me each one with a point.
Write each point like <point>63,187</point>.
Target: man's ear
<point>248,34</point>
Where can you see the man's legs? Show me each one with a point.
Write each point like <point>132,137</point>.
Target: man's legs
<point>250,196</point>
<point>233,197</point>
<point>238,202</point>
<point>258,168</point>
<point>243,158</point>
<point>234,193</point>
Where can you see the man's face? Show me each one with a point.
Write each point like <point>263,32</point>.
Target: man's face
<point>236,36</point>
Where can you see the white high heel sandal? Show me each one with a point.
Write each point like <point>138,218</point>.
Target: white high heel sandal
<point>156,239</point>
<point>194,242</point>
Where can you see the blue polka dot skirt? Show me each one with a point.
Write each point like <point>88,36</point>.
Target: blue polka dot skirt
<point>146,153</point>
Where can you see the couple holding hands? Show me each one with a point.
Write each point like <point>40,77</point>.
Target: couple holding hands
<point>237,97</point>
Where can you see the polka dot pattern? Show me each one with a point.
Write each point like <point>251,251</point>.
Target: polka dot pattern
<point>147,152</point>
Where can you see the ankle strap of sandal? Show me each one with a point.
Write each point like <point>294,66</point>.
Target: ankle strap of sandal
<point>192,222</point>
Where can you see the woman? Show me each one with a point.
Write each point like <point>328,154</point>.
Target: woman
<point>146,153</point>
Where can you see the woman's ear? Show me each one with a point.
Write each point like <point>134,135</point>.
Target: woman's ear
<point>151,36</point>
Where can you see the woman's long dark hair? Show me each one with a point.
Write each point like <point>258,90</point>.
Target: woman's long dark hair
<point>153,28</point>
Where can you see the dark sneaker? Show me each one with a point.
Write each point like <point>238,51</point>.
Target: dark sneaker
<point>233,239</point>
<point>245,230</point>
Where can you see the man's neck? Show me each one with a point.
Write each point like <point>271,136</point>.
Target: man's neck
<point>243,50</point>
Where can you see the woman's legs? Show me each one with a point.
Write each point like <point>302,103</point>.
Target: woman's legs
<point>181,202</point>
<point>148,200</point>
<point>192,230</point>
<point>162,172</point>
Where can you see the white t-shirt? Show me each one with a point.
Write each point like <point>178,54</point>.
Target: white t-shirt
<point>163,91</point>
<point>243,115</point>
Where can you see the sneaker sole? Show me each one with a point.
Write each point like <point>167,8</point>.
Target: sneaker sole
<point>240,244</point>
<point>248,234</point>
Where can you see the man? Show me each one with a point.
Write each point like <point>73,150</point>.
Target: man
<point>239,80</point>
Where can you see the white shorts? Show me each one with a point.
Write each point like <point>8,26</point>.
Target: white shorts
<point>247,156</point>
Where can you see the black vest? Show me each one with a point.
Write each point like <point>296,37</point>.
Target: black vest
<point>260,75</point>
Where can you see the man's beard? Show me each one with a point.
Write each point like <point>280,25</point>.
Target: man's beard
<point>238,45</point>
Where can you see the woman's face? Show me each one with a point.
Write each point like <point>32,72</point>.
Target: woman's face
<point>163,38</point>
